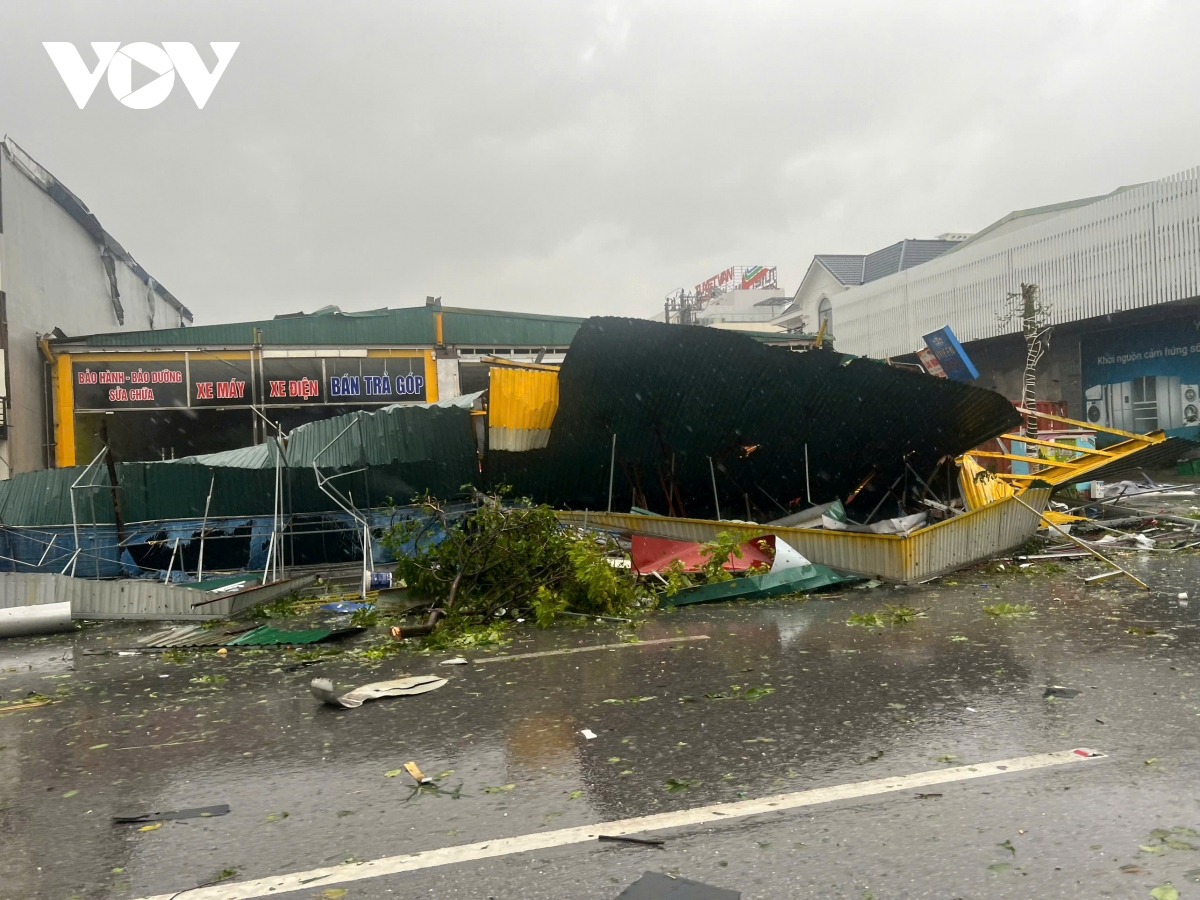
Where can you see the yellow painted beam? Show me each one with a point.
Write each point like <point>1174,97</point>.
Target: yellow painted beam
<point>64,412</point>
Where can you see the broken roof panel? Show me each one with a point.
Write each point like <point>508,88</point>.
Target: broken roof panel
<point>388,327</point>
<point>676,396</point>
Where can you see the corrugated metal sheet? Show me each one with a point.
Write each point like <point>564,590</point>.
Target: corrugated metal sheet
<point>676,397</point>
<point>134,598</point>
<point>952,544</point>
<point>414,326</point>
<point>440,434</point>
<point>1163,455</point>
<point>44,497</point>
<point>491,328</point>
<point>1131,249</point>
<point>410,449</point>
<point>191,636</point>
<point>265,635</point>
<point>261,456</point>
<point>521,408</point>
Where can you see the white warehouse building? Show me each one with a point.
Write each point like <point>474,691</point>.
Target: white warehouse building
<point>60,273</point>
<point>1121,274</point>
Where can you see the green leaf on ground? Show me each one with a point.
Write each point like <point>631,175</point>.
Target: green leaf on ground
<point>574,795</point>
<point>499,789</point>
<point>678,785</point>
<point>392,773</point>
<point>1009,610</point>
<point>1165,892</point>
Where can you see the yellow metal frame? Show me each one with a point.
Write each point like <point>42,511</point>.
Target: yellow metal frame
<point>1083,461</point>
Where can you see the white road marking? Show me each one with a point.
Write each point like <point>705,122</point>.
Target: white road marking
<point>392,865</point>
<point>489,659</point>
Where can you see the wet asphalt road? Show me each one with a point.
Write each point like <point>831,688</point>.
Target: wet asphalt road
<point>836,704</point>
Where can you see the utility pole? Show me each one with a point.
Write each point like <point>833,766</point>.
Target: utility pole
<point>1034,314</point>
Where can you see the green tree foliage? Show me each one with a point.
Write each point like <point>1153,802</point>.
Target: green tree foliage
<point>507,556</point>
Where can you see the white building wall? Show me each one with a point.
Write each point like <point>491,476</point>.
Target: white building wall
<point>53,275</point>
<point>818,283</point>
<point>1129,250</point>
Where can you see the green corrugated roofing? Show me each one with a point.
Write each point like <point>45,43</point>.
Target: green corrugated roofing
<point>401,433</point>
<point>408,449</point>
<point>257,457</point>
<point>44,497</point>
<point>411,326</point>
<point>466,327</point>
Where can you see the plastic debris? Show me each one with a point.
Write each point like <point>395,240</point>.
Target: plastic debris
<point>456,661</point>
<point>345,606</point>
<point>324,691</point>
<point>588,734</point>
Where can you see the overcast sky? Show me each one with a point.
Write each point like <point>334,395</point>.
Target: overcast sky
<point>582,158</point>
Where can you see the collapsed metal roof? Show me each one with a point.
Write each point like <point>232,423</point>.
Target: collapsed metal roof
<point>412,326</point>
<point>77,210</point>
<point>402,450</point>
<point>676,397</point>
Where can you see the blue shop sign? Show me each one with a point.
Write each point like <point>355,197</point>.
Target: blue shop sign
<point>950,353</point>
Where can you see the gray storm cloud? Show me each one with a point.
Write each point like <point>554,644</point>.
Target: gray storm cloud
<point>588,158</point>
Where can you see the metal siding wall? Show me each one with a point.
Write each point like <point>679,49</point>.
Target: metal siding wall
<point>944,547</point>
<point>124,599</point>
<point>1130,250</point>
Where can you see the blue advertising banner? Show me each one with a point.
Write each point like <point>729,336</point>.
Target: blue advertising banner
<point>1144,378</point>
<point>950,355</point>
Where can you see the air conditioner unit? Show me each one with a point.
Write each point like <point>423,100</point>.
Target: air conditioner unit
<point>1189,394</point>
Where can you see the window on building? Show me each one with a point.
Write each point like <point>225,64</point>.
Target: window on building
<point>825,315</point>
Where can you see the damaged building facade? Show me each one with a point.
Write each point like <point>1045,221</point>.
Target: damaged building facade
<point>1120,275</point>
<point>59,269</point>
<point>172,393</point>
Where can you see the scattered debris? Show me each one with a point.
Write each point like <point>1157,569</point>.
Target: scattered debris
<point>265,635</point>
<point>1059,692</point>
<point>416,774</point>
<point>345,606</point>
<point>323,690</point>
<point>28,704</point>
<point>201,812</point>
<point>187,636</point>
<point>656,886</point>
<point>588,734</point>
<point>456,661</point>
<point>630,839</point>
<point>597,647</point>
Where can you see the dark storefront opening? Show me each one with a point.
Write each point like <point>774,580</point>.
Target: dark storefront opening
<point>162,433</point>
